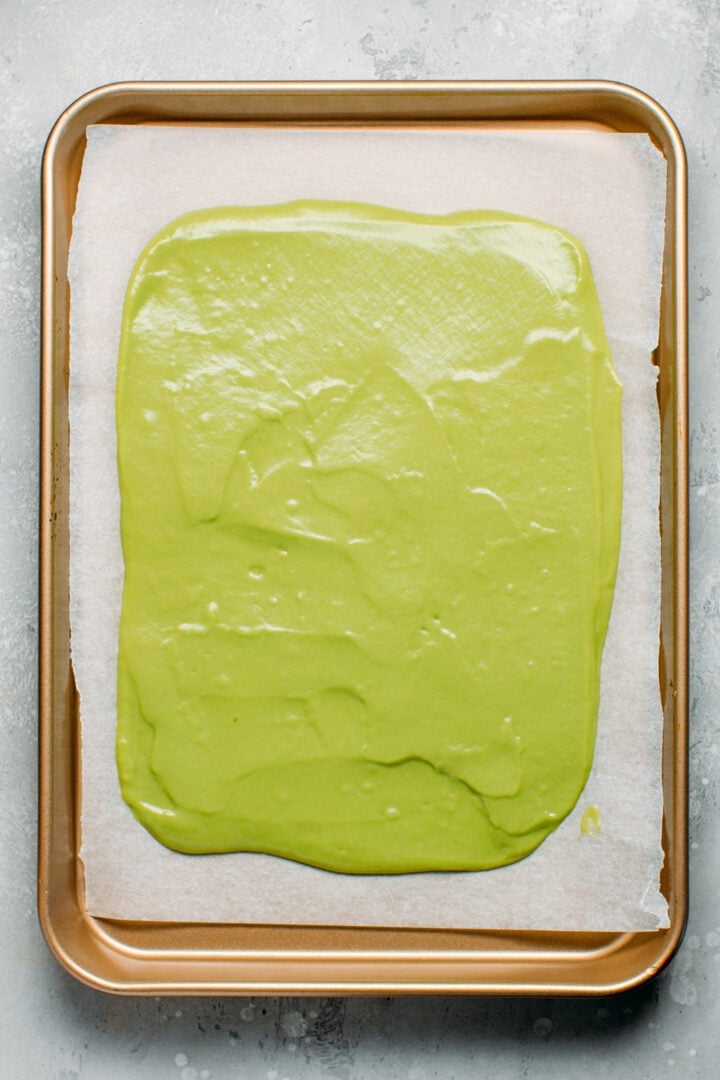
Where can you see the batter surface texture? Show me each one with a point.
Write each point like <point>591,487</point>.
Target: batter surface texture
<point>370,468</point>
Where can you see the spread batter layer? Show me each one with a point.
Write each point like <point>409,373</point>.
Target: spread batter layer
<point>370,472</point>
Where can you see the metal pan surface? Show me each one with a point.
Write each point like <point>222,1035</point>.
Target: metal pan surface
<point>203,958</point>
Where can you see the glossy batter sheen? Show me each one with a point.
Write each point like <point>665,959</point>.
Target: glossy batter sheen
<point>370,472</point>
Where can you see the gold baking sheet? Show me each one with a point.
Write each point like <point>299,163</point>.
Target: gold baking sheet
<point>201,958</point>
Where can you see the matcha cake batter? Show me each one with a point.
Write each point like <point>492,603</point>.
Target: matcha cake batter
<point>370,473</point>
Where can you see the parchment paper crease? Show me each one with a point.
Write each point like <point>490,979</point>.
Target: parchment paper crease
<point>609,190</point>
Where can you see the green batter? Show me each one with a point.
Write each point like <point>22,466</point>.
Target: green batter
<point>370,470</point>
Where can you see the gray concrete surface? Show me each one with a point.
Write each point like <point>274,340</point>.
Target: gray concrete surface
<point>50,52</point>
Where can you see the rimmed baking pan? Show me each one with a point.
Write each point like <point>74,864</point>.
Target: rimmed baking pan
<point>132,956</point>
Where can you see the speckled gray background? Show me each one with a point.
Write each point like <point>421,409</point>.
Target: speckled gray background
<point>51,51</point>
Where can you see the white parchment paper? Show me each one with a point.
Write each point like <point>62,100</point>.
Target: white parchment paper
<point>608,189</point>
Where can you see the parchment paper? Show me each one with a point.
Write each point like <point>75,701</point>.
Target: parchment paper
<point>609,190</point>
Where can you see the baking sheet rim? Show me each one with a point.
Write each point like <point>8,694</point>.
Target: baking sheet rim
<point>438,101</point>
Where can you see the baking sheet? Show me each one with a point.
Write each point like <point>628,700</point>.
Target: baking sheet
<point>606,188</point>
